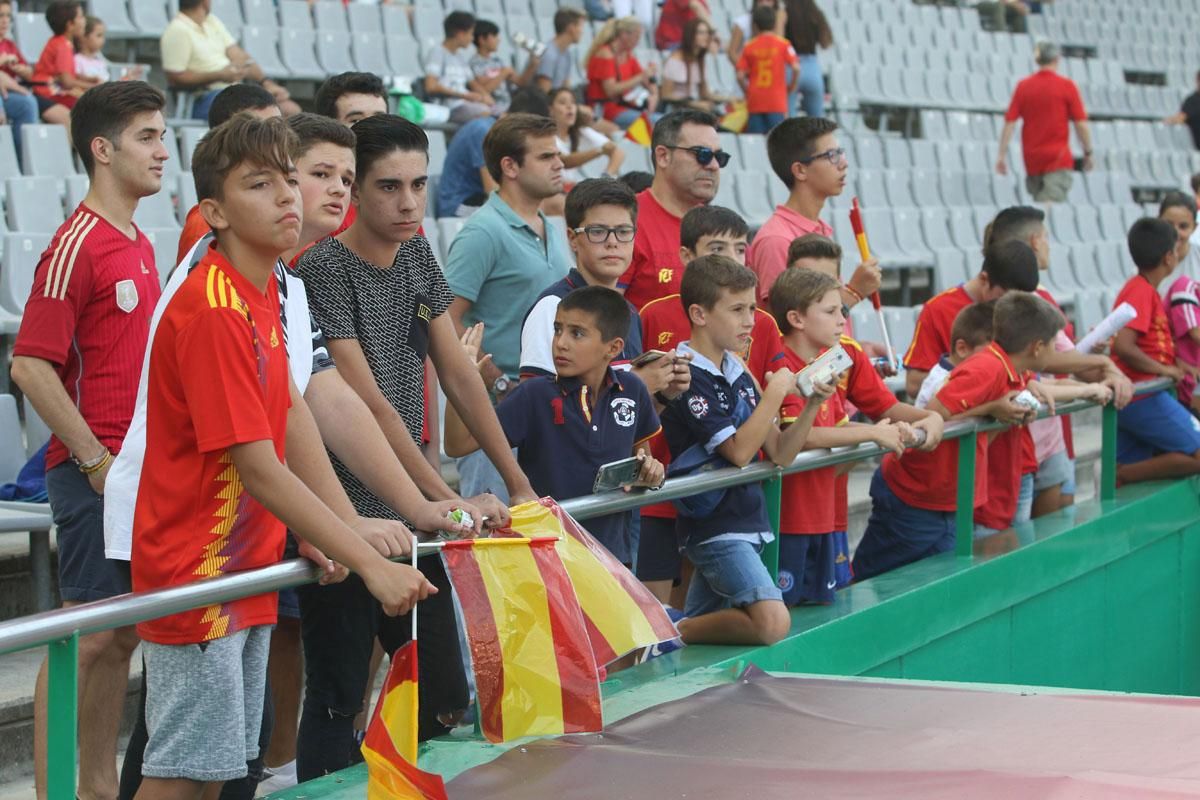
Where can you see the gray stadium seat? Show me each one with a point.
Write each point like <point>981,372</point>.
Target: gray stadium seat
<point>899,191</point>
<point>896,153</point>
<point>403,56</point>
<point>1099,190</point>
<point>394,18</point>
<point>77,189</point>
<point>366,18</point>
<point>331,16</point>
<point>1112,260</point>
<point>751,190</point>
<point>297,50</point>
<point>924,154</point>
<point>187,196</point>
<point>12,449</point>
<point>953,188</point>
<point>865,322</point>
<point>333,52</point>
<point>949,156</point>
<point>727,195</point>
<point>295,14</point>
<point>9,168</point>
<point>230,14</point>
<point>869,153</point>
<point>1005,189</point>
<point>370,53</point>
<point>260,13</point>
<point>166,243</point>
<point>448,228</point>
<point>31,33</point>
<point>907,224</point>
<point>1090,309</point>
<point>437,151</point>
<point>636,156</point>
<point>37,432</point>
<point>40,210</point>
<point>949,269</point>
<point>902,324</point>
<point>150,17</point>
<point>191,136</point>
<point>174,164</point>
<point>884,244</point>
<point>21,254</point>
<point>962,228</point>
<point>753,150</point>
<point>262,43</point>
<point>427,23</point>
<point>1084,266</point>
<point>871,188</point>
<point>933,125</point>
<point>983,216</point>
<point>925,188</point>
<point>155,211</point>
<point>117,24</point>
<point>439,248</point>
<point>46,151</point>
<point>935,225</point>
<point>1087,223</point>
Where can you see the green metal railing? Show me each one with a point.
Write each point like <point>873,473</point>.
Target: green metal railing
<point>61,629</point>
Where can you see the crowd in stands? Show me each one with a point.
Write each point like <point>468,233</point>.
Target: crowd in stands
<point>274,394</point>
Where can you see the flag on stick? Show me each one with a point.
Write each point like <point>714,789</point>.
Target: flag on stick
<point>535,674</point>
<point>390,745</point>
<point>622,615</point>
<point>864,251</point>
<point>640,131</point>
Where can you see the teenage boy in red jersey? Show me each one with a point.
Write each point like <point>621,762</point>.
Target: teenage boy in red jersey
<point>705,230</point>
<point>687,172</point>
<point>914,497</point>
<point>216,494</point>
<point>761,72</point>
<point>77,358</point>
<point>1156,435</point>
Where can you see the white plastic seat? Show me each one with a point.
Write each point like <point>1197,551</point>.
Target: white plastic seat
<point>46,151</point>
<point>39,209</point>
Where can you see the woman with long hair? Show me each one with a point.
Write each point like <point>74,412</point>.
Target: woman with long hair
<point>742,31</point>
<point>616,80</point>
<point>808,30</point>
<point>685,82</point>
<point>578,143</point>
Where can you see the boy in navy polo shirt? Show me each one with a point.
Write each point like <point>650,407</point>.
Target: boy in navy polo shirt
<point>566,426</point>
<point>732,599</point>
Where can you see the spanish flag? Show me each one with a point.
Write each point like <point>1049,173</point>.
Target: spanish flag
<point>640,131</point>
<point>390,744</point>
<point>535,674</point>
<point>621,614</point>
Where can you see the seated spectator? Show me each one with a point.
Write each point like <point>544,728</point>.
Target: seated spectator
<point>970,333</point>
<point>589,327</point>
<point>559,65</point>
<point>616,79</point>
<point>808,31</point>
<point>1004,15</point>
<point>742,30</point>
<point>351,96</point>
<point>1189,114</point>
<point>20,106</point>
<point>1183,296</point>
<point>914,497</point>
<point>89,45</point>
<point>466,182</point>
<point>674,17</point>
<point>200,54</point>
<point>54,74</point>
<point>762,73</point>
<point>580,143</point>
<point>493,76</point>
<point>449,80</point>
<point>685,82</point>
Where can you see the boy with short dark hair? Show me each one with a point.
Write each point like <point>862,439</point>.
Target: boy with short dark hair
<point>558,64</point>
<point>914,497</point>
<point>1156,436</point>
<point>724,418</point>
<point>351,96</point>
<point>566,426</point>
<point>761,72</point>
<point>448,77</point>
<point>971,332</point>
<point>492,74</point>
<point>215,494</point>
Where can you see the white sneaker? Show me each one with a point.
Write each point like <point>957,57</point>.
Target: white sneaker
<point>277,778</point>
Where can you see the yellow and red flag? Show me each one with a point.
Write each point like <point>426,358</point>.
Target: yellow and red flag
<point>622,615</point>
<point>390,745</point>
<point>640,131</point>
<point>535,674</point>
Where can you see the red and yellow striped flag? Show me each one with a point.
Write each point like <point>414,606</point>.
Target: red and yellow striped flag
<point>535,674</point>
<point>390,745</point>
<point>640,131</point>
<point>621,614</point>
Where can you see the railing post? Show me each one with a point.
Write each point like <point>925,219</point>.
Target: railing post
<point>1108,452</point>
<point>964,514</point>
<point>61,718</point>
<point>773,490</point>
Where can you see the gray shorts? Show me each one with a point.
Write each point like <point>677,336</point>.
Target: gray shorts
<point>1054,471</point>
<point>1052,187</point>
<point>204,705</point>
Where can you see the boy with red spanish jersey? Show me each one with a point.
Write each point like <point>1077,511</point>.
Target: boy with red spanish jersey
<point>914,497</point>
<point>761,72</point>
<point>1156,436</point>
<point>215,493</point>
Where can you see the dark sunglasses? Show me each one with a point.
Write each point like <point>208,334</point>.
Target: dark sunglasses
<point>705,155</point>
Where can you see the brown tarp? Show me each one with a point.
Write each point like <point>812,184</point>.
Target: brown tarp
<point>765,737</point>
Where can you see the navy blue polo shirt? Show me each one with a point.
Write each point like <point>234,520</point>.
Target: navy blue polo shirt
<point>537,332</point>
<point>704,415</point>
<point>563,436</point>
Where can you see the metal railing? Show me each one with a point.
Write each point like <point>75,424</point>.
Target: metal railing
<point>61,629</point>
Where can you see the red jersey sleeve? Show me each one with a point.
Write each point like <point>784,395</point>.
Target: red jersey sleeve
<point>1139,294</point>
<point>926,348</point>
<point>766,347</point>
<point>972,383</point>
<point>63,58</point>
<point>743,63</point>
<point>219,372</point>
<point>1014,105</point>
<point>862,385</point>
<point>1075,109</point>
<point>62,285</point>
<point>601,69</point>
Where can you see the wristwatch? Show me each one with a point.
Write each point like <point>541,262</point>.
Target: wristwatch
<point>501,385</point>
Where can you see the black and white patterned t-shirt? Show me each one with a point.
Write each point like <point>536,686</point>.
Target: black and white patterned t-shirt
<point>389,312</point>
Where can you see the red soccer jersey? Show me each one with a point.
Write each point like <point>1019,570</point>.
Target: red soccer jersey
<point>656,270</point>
<point>600,69</point>
<point>58,58</point>
<point>861,387</point>
<point>673,16</point>
<point>88,314</point>
<point>9,48</point>
<point>809,497</point>
<point>764,61</point>
<point>1005,463</point>
<point>218,377</point>
<point>929,480</point>
<point>1153,329</point>
<point>1046,102</point>
<point>931,339</point>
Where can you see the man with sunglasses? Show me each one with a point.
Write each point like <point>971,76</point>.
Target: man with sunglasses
<point>805,154</point>
<point>687,173</point>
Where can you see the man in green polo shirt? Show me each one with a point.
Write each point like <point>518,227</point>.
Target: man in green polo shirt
<point>505,256</point>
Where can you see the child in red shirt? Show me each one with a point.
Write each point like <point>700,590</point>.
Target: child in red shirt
<point>54,73</point>
<point>1156,436</point>
<point>761,72</point>
<point>914,497</point>
<point>215,493</point>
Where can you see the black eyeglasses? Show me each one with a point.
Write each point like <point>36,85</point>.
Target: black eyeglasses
<point>705,155</point>
<point>835,156</point>
<point>598,234</point>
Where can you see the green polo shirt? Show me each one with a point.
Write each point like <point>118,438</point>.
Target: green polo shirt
<point>498,263</point>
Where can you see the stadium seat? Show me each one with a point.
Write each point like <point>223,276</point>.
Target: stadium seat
<point>403,56</point>
<point>1087,223</point>
<point>295,15</point>
<point>933,125</point>
<point>727,195</point>
<point>899,190</point>
<point>262,43</point>
<point>1084,265</point>
<point>259,13</point>
<point>46,151</point>
<point>186,192</point>
<point>394,18</point>
<point>953,188</point>
<point>190,136</point>
<point>1090,309</point>
<point>751,190</point>
<point>21,254</point>
<point>370,53</point>
<point>896,153</point>
<point>117,24</point>
<point>866,323</point>
<point>983,215</point>
<point>427,23</point>
<point>902,324</point>
<point>907,224</point>
<point>31,33</point>
<point>962,228</point>
<point>77,189</point>
<point>40,209</point>
<point>949,269</point>
<point>230,14</point>
<point>165,242</point>
<point>925,188</point>
<point>1099,189</point>
<point>331,16</point>
<point>437,150</point>
<point>366,18</point>
<point>924,154</point>
<point>156,211</point>
<point>439,248</point>
<point>870,188</point>
<point>297,50</point>
<point>869,153</point>
<point>1113,263</point>
<point>12,449</point>
<point>9,167</point>
<point>333,52</point>
<point>753,149</point>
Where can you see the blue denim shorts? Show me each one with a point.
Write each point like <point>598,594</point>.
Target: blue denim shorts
<point>729,573</point>
<point>1155,425</point>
